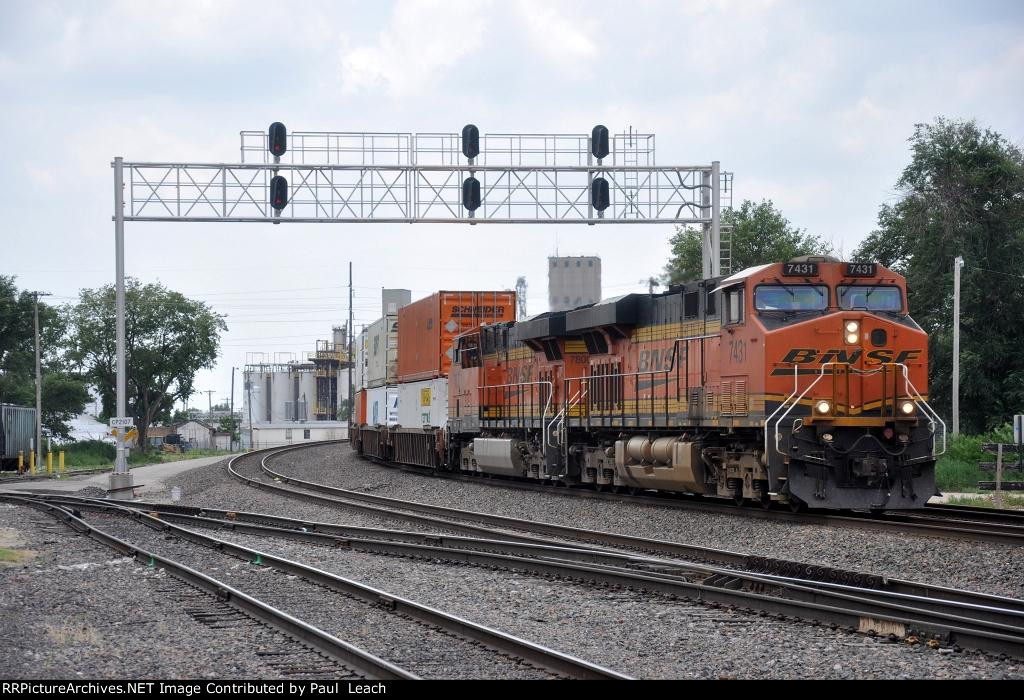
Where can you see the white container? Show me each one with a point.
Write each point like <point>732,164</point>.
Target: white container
<point>359,364</point>
<point>423,403</point>
<point>382,406</point>
<point>382,352</point>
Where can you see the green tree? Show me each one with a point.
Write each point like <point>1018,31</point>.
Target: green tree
<point>168,337</point>
<point>229,424</point>
<point>962,194</point>
<point>759,234</point>
<point>64,394</point>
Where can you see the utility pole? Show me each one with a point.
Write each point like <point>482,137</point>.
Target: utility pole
<point>231,408</point>
<point>209,401</point>
<point>39,380</point>
<point>348,375</point>
<point>957,264</point>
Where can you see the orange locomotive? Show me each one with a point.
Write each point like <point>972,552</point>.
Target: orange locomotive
<point>802,382</point>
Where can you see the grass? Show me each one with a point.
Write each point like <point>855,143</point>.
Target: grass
<point>987,501</point>
<point>13,556</point>
<point>957,470</point>
<point>90,454</point>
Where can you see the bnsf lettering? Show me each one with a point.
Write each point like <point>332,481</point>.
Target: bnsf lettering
<point>476,311</point>
<point>653,360</point>
<point>811,356</point>
<point>520,375</point>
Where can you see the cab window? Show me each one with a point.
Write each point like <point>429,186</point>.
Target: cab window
<point>733,304</point>
<point>870,297</point>
<point>790,297</point>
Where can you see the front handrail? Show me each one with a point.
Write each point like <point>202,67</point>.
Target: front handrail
<point>909,390</point>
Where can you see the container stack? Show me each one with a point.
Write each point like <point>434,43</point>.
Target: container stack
<point>404,357</point>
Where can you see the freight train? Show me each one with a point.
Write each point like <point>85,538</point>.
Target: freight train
<point>802,383</point>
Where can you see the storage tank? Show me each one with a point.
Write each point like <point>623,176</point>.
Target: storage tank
<point>307,394</point>
<point>252,393</point>
<point>280,393</point>
<point>429,326</point>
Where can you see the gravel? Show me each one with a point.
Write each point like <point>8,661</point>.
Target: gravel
<point>74,609</point>
<point>992,568</point>
<point>642,635</point>
<point>423,650</point>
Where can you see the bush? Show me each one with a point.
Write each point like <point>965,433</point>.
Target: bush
<point>957,470</point>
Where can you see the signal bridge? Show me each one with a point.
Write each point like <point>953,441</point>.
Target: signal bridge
<point>346,177</point>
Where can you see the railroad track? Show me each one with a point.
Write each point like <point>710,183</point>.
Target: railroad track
<point>901,608</point>
<point>948,522</point>
<point>432,637</point>
<point>346,658</point>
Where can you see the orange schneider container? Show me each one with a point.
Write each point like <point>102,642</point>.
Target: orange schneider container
<point>426,328</point>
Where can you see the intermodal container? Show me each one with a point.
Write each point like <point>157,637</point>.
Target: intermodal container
<point>382,352</point>
<point>359,415</point>
<point>427,328</point>
<point>382,406</point>
<point>422,404</point>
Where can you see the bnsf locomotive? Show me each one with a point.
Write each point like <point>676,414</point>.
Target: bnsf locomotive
<point>802,382</point>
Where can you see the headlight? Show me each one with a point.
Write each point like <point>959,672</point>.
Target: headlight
<point>852,329</point>
<point>823,407</point>
<point>907,407</point>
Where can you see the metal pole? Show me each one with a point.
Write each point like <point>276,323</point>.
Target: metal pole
<point>231,408</point>
<point>120,479</point>
<point>705,229</point>
<point>957,264</point>
<point>39,383</point>
<point>716,223</point>
<point>247,378</point>
<point>351,408</point>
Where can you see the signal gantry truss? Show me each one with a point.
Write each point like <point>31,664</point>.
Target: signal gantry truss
<point>418,178</point>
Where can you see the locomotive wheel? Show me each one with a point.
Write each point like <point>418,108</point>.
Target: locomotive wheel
<point>796,506</point>
<point>766,501</point>
<point>738,499</point>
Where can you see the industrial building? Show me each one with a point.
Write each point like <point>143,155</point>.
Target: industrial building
<point>286,401</point>
<point>573,281</point>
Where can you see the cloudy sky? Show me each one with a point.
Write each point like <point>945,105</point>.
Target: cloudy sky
<point>808,103</point>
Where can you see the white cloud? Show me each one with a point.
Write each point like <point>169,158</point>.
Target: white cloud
<point>565,40</point>
<point>859,125</point>
<point>423,41</point>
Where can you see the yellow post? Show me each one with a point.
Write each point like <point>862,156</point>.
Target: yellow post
<point>21,461</point>
<point>60,461</point>
<point>32,462</point>
<point>49,462</point>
